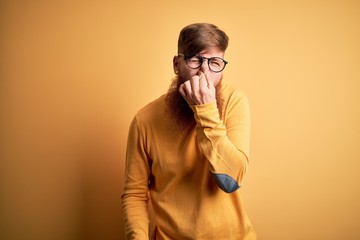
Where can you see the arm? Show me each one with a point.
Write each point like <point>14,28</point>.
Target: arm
<point>225,145</point>
<point>135,194</point>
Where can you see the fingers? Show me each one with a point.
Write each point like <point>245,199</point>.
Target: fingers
<point>206,81</point>
<point>195,83</point>
<point>198,90</point>
<point>182,91</point>
<point>185,90</point>
<point>203,82</point>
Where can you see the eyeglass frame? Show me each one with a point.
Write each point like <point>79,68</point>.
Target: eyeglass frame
<point>202,59</point>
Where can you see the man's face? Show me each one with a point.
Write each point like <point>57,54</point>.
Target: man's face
<point>185,73</point>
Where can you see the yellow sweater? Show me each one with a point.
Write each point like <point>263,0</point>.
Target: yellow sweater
<point>193,180</point>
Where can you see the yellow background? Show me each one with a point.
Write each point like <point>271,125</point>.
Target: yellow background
<point>73,74</point>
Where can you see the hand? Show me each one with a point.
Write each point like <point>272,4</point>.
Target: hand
<point>198,90</point>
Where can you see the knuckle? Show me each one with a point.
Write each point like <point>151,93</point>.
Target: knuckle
<point>194,95</point>
<point>195,78</point>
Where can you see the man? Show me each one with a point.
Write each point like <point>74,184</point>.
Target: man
<point>188,150</point>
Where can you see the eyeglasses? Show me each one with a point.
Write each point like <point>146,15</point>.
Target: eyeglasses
<point>216,64</point>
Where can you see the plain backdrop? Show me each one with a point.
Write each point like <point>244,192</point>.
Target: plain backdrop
<point>74,73</point>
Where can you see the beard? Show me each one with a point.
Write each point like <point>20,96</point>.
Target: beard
<point>179,110</point>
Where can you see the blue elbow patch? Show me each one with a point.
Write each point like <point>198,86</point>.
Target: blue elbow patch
<point>226,183</point>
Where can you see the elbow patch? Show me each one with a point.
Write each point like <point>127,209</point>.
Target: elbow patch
<point>226,183</point>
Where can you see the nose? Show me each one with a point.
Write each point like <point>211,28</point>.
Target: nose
<point>205,66</point>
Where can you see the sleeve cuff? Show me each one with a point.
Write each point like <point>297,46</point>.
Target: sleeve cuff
<point>207,115</point>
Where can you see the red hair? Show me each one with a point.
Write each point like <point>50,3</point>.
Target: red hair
<point>198,36</point>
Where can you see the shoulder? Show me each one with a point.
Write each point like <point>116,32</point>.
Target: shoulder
<point>231,95</point>
<point>152,111</point>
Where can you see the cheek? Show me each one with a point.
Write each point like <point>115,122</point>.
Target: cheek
<point>216,79</point>
<point>186,73</point>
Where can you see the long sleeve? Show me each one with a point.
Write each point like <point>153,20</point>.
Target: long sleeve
<point>175,169</point>
<point>135,194</point>
<point>225,143</point>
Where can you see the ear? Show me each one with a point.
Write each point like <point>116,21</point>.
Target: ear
<point>176,64</point>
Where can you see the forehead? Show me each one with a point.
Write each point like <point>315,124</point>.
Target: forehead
<point>212,52</point>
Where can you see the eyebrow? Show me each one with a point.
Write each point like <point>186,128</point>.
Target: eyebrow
<point>202,54</point>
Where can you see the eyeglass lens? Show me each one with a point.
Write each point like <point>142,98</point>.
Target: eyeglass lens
<point>216,64</point>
